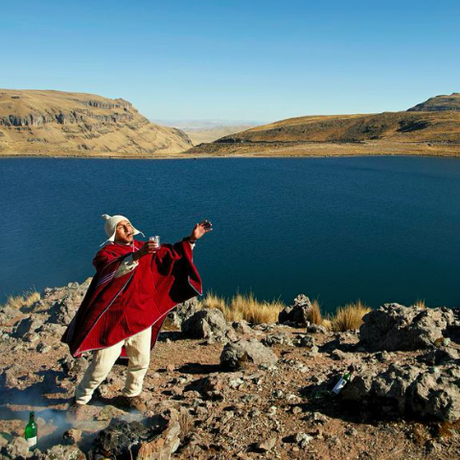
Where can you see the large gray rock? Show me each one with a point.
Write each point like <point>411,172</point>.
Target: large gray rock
<point>432,392</point>
<point>182,312</point>
<point>237,354</point>
<point>298,313</point>
<point>64,302</point>
<point>396,327</point>
<point>205,324</point>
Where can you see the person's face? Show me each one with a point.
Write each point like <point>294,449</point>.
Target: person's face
<point>124,232</point>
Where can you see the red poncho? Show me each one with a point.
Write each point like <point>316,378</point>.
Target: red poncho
<point>117,308</point>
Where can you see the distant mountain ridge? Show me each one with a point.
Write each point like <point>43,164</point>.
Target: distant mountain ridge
<point>434,124</point>
<point>64,123</point>
<point>438,104</point>
<point>201,131</point>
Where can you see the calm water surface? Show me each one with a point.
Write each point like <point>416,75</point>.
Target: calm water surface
<point>379,229</point>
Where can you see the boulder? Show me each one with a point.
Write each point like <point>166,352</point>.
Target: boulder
<point>182,312</point>
<point>417,390</point>
<point>237,354</point>
<point>396,327</point>
<point>205,324</point>
<point>64,302</point>
<point>298,313</point>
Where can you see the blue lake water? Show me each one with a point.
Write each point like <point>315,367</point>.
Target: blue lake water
<point>379,229</point>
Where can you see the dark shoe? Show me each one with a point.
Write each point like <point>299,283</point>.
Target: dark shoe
<point>135,402</point>
<point>75,412</point>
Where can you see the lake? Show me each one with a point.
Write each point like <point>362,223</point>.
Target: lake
<point>382,229</point>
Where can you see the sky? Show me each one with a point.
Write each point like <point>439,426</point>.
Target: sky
<point>236,60</point>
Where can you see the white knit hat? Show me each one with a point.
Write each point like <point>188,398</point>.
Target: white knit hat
<point>110,227</point>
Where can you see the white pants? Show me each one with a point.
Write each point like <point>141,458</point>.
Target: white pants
<point>138,351</point>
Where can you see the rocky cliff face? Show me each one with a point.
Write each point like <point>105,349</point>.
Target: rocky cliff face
<point>60,123</point>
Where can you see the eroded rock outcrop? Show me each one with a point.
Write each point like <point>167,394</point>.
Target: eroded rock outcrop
<point>414,390</point>
<point>396,327</point>
<point>208,323</point>
<point>298,313</point>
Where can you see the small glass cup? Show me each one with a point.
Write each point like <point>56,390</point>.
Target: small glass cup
<point>156,240</point>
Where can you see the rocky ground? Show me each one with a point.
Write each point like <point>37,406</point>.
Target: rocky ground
<point>217,390</point>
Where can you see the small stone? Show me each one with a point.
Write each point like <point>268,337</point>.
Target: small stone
<point>351,432</point>
<point>72,436</point>
<point>302,439</point>
<point>17,448</point>
<point>267,445</point>
<point>109,412</point>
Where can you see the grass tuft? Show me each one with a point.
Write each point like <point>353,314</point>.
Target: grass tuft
<point>315,314</point>
<point>349,317</point>
<point>20,301</point>
<point>244,307</point>
<point>419,303</point>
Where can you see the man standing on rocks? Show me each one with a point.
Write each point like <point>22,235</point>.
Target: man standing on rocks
<point>136,285</point>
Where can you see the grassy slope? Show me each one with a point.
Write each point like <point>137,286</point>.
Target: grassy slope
<point>433,132</point>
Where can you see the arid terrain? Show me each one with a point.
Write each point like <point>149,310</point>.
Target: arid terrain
<point>224,390</point>
<point>208,131</point>
<point>56,123</point>
<point>430,128</point>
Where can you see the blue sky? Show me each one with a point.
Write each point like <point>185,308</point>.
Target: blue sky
<point>238,60</point>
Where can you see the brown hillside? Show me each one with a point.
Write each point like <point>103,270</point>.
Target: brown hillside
<point>438,104</point>
<point>58,123</point>
<point>417,132</point>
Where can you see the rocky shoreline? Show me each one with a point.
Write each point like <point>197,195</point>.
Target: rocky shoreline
<point>218,390</point>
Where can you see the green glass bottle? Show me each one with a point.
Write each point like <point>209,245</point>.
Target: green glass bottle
<point>342,382</point>
<point>31,432</point>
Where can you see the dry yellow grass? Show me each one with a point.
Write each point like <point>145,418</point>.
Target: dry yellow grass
<point>25,300</point>
<point>349,317</point>
<point>244,307</point>
<point>420,303</point>
<point>315,314</point>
